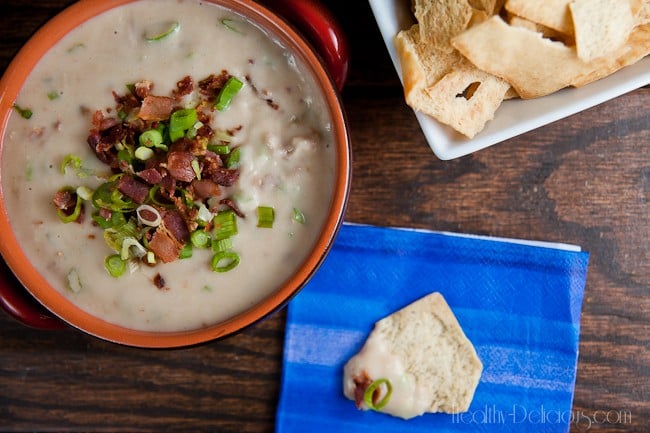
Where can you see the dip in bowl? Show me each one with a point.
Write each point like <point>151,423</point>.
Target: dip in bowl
<point>171,171</point>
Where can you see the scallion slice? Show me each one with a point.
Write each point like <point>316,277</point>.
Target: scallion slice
<point>200,239</point>
<point>219,149</point>
<point>265,217</point>
<point>225,261</point>
<point>229,90</point>
<point>233,158</point>
<point>180,121</point>
<point>298,216</point>
<point>115,265</point>
<point>174,27</point>
<point>228,23</point>
<point>148,215</point>
<point>225,225</point>
<point>222,245</point>
<point>151,138</point>
<point>143,153</point>
<point>186,252</point>
<point>368,394</point>
<point>25,113</point>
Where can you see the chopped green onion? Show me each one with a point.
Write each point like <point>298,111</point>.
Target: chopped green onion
<point>53,95</point>
<point>265,217</point>
<point>29,173</point>
<point>180,121</point>
<point>298,216</point>
<point>74,215</point>
<point>25,113</point>
<point>131,247</point>
<point>222,135</point>
<point>228,23</point>
<point>219,149</point>
<point>229,90</point>
<point>222,245</point>
<point>368,394</point>
<point>200,239</point>
<point>151,258</point>
<point>186,252</point>
<point>70,160</point>
<point>73,281</point>
<point>116,234</point>
<point>159,36</point>
<point>115,265</point>
<point>196,168</point>
<point>143,153</point>
<point>225,261</point>
<point>75,46</point>
<point>151,138</point>
<point>233,158</point>
<point>225,225</point>
<point>84,192</point>
<point>125,155</point>
<point>107,196</point>
<point>204,216</point>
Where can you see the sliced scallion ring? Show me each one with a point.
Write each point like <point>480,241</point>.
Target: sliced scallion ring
<point>368,394</point>
<point>115,265</point>
<point>265,217</point>
<point>200,239</point>
<point>173,28</point>
<point>148,215</point>
<point>225,261</point>
<point>229,90</point>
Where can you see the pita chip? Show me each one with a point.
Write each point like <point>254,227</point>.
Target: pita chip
<point>550,13</point>
<point>601,26</point>
<point>533,65</point>
<point>466,98</point>
<point>441,20</point>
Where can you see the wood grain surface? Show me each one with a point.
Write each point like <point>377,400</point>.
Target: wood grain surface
<point>583,180</point>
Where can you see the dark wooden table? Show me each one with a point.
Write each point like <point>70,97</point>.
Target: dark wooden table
<point>583,180</point>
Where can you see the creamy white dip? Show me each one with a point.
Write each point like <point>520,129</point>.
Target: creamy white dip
<point>287,160</point>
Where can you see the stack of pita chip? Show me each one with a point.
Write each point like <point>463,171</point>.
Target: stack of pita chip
<point>463,58</point>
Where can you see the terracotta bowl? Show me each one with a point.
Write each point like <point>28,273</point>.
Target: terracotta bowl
<point>28,297</point>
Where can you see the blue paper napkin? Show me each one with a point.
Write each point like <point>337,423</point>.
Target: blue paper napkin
<point>519,304</point>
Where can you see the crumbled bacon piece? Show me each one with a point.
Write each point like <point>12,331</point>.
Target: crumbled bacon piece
<point>179,165</point>
<point>362,383</point>
<point>211,85</point>
<point>175,224</point>
<point>143,88</point>
<point>150,175</point>
<point>222,176</point>
<point>133,188</point>
<point>156,108</point>
<point>164,246</point>
<point>184,87</point>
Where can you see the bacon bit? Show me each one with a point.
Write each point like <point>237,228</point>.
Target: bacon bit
<point>362,383</point>
<point>133,188</point>
<point>156,108</point>
<point>231,204</point>
<point>174,223</point>
<point>204,189</point>
<point>65,200</point>
<point>210,86</point>
<point>126,102</point>
<point>143,88</point>
<point>179,164</point>
<point>164,245</point>
<point>159,281</point>
<point>184,87</point>
<point>92,236</point>
<point>150,175</point>
<point>222,176</point>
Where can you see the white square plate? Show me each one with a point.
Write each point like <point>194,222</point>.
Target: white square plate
<point>515,116</point>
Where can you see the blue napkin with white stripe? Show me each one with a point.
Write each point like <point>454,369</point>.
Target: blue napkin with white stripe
<point>518,303</point>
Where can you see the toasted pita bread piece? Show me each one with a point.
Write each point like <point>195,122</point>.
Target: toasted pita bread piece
<point>491,7</point>
<point>424,354</point>
<point>441,20</point>
<point>534,66</point>
<point>546,32</point>
<point>550,13</point>
<point>422,65</point>
<point>601,26</point>
<point>636,48</point>
<point>466,98</point>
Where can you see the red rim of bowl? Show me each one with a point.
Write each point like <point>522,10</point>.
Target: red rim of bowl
<point>10,85</point>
